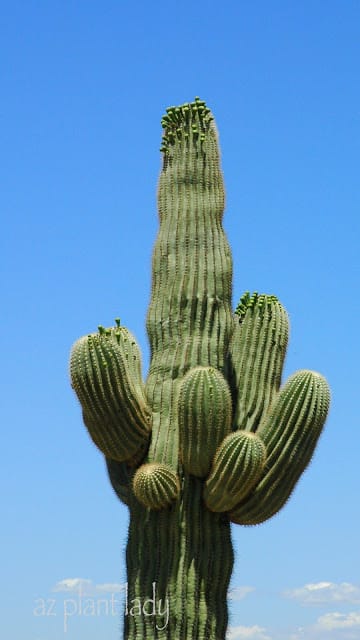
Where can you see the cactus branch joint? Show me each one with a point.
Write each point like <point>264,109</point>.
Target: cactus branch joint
<point>212,437</point>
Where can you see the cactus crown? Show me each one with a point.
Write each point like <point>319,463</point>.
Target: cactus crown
<point>249,301</point>
<point>191,119</point>
<point>117,332</point>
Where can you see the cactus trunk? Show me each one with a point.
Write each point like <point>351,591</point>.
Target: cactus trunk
<point>189,325</point>
<point>211,437</point>
<point>182,556</point>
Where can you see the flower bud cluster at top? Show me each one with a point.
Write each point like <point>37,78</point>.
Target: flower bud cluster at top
<point>191,118</point>
<point>247,301</point>
<point>107,332</point>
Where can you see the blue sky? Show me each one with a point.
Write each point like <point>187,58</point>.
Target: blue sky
<point>84,85</point>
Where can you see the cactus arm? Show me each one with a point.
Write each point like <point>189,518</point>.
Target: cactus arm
<point>106,376</point>
<point>254,367</point>
<point>238,465</point>
<point>120,476</point>
<point>256,357</point>
<point>252,478</point>
<point>156,485</point>
<point>205,414</point>
<point>290,432</point>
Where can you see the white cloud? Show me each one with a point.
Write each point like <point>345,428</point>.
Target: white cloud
<point>85,587</point>
<point>73,585</point>
<point>325,593</point>
<point>317,586</point>
<point>331,626</point>
<point>250,633</point>
<point>335,620</point>
<point>238,593</point>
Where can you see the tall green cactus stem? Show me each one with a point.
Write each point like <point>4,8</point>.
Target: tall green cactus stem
<point>189,320</point>
<point>211,437</point>
<point>189,325</point>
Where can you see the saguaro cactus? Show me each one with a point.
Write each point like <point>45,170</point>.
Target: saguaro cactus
<point>211,437</point>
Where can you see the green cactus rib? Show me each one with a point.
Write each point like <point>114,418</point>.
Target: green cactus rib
<point>211,437</point>
<point>290,433</point>
<point>106,376</point>
<point>237,467</point>
<point>156,485</point>
<point>205,412</point>
<point>256,357</point>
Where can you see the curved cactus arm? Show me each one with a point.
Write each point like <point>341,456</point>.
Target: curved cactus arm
<point>105,373</point>
<point>290,433</point>
<point>156,485</point>
<point>256,357</point>
<point>120,475</point>
<point>204,414</point>
<point>237,466</point>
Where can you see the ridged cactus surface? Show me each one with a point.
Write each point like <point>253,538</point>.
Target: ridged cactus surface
<point>204,417</point>
<point>211,437</point>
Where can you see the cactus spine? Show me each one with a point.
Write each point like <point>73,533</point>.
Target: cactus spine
<point>211,437</point>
